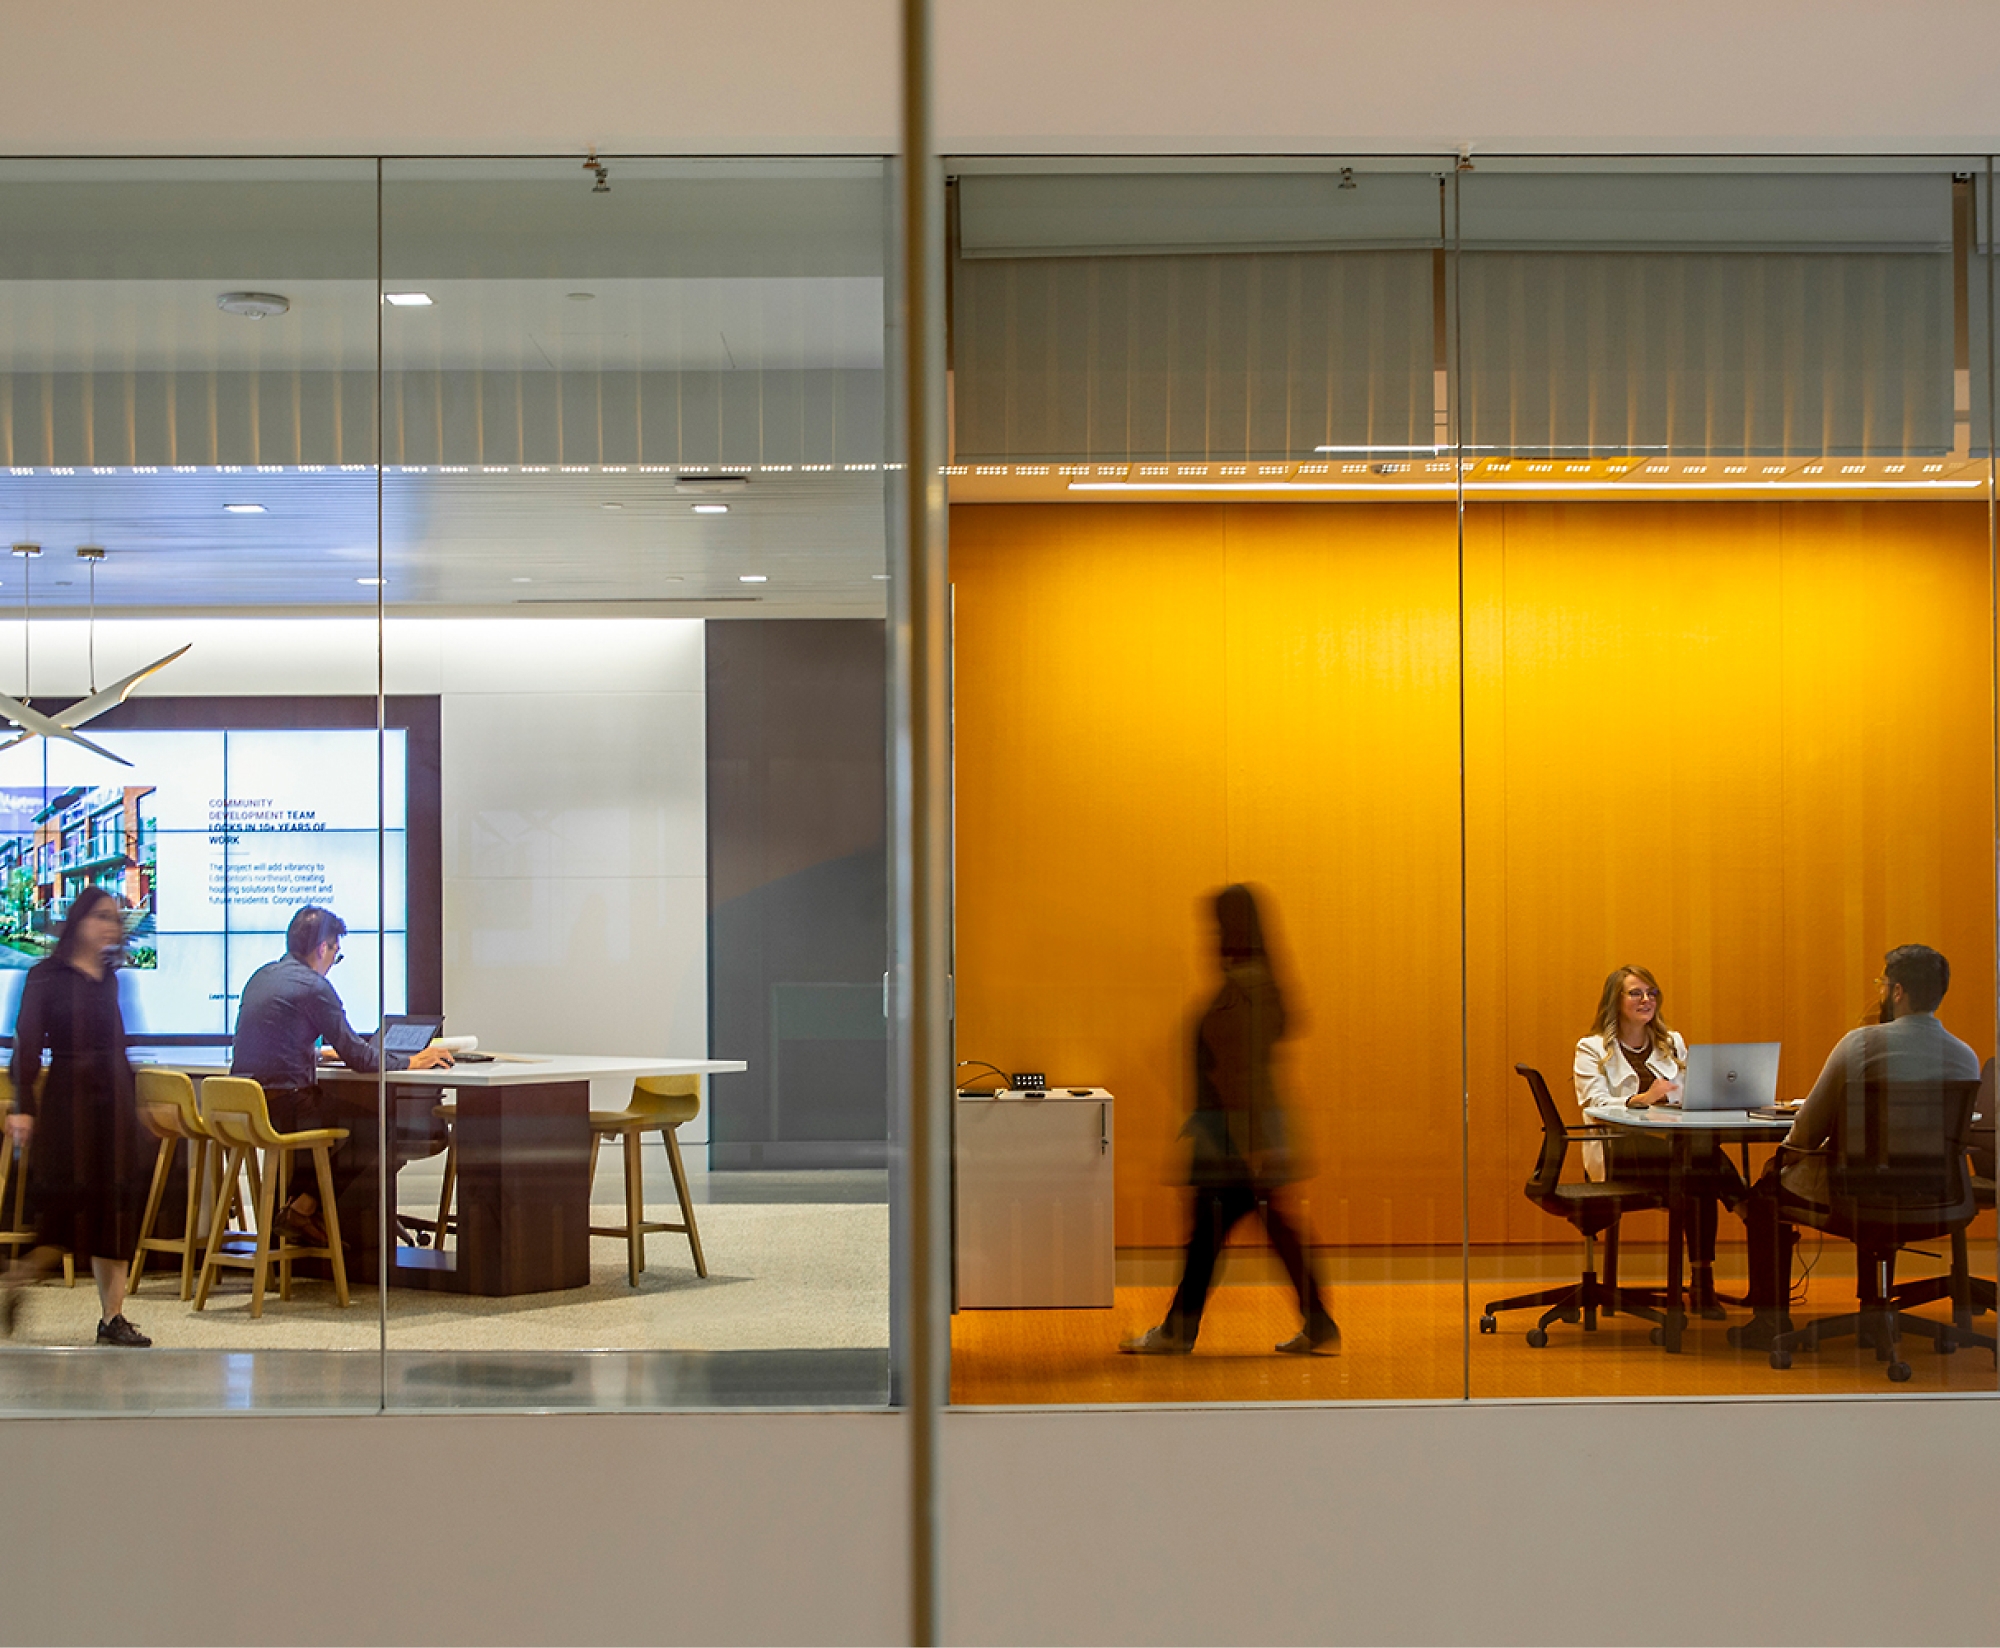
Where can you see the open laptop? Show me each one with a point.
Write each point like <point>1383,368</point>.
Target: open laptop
<point>408,1034</point>
<point>1740,1075</point>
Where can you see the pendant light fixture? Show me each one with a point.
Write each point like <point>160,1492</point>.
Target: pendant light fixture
<point>63,724</point>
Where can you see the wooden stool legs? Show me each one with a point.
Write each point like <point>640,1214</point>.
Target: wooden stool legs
<point>20,1234</point>
<point>451,1183</point>
<point>258,1260</point>
<point>190,1237</point>
<point>681,1194</point>
<point>636,1226</point>
<point>635,1210</point>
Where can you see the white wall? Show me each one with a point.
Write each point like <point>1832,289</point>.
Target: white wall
<point>1014,76</point>
<point>1819,1521</point>
<point>574,801</point>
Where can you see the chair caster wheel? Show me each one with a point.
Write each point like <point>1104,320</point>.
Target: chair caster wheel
<point>1900,1372</point>
<point>1537,1337</point>
<point>1488,1324</point>
<point>1781,1359</point>
<point>1656,1336</point>
<point>1946,1345</point>
<point>1572,1315</point>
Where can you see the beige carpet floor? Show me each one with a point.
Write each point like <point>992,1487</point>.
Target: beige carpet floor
<point>806,1276</point>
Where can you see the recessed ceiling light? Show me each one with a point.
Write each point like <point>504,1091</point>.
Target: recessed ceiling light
<point>610,506</point>
<point>752,578</point>
<point>711,509</point>
<point>252,305</point>
<point>524,580</point>
<point>879,577</point>
<point>408,300</point>
<point>243,509</point>
<point>372,583</point>
<point>580,297</point>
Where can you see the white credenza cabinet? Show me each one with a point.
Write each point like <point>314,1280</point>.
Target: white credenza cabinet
<point>1034,1200</point>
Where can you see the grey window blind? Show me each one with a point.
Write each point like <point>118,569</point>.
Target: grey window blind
<point>1707,314</point>
<point>1180,356</point>
<point>1228,315</point>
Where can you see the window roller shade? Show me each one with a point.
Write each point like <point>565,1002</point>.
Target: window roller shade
<point>1177,356</point>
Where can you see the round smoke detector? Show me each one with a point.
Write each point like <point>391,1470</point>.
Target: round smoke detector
<point>256,305</point>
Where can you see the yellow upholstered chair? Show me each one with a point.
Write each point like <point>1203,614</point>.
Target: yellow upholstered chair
<point>239,1120</point>
<point>17,1231</point>
<point>168,1110</point>
<point>659,1104</point>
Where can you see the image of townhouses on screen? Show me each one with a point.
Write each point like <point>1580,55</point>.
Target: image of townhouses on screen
<point>210,840</point>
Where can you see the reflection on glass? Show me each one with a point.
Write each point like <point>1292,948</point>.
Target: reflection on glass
<point>187,434</point>
<point>634,505</point>
<point>1720,510</point>
<point>1205,624</point>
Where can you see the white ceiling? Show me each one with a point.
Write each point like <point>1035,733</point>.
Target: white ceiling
<point>502,541</point>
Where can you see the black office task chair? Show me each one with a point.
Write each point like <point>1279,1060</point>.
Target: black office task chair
<point>1978,1292</point>
<point>1594,1209</point>
<point>1897,1174</point>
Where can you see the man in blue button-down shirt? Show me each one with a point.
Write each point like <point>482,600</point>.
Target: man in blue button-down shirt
<point>288,1009</point>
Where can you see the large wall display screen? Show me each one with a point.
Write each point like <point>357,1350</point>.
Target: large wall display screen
<point>213,839</point>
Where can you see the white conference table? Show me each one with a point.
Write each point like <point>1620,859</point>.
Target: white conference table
<point>522,1136</point>
<point>1682,1129</point>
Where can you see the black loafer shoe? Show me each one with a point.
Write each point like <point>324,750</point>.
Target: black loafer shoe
<point>1760,1330</point>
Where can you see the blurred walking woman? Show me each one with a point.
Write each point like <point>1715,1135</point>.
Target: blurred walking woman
<point>87,1168</point>
<point>1244,1148</point>
<point>1631,1057</point>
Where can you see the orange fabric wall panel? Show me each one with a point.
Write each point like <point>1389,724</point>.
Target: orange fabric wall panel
<point>1153,701</point>
<point>1746,745</point>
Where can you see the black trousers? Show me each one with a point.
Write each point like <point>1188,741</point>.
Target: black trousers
<point>1771,1241</point>
<point>1217,1208</point>
<point>296,1109</point>
<point>1709,1179</point>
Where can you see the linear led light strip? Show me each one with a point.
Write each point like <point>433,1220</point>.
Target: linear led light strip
<point>1553,484</point>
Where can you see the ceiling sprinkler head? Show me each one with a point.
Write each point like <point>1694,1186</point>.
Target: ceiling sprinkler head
<point>602,186</point>
<point>252,305</point>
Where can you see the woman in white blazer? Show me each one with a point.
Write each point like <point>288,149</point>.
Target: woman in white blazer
<point>1631,1057</point>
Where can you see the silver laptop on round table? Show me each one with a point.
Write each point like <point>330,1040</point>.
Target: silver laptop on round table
<point>1740,1075</point>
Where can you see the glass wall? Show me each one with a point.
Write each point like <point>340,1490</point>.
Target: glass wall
<point>187,420</point>
<point>1419,630</point>
<point>1205,560</point>
<point>1728,738</point>
<point>1560,687</point>
<point>494,557</point>
<point>634,542</point>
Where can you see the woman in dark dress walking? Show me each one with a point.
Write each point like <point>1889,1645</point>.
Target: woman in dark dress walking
<point>87,1172</point>
<point>1244,1148</point>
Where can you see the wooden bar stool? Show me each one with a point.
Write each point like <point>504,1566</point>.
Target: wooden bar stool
<point>169,1110</point>
<point>237,1117</point>
<point>448,1114</point>
<point>19,1231</point>
<point>659,1104</point>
